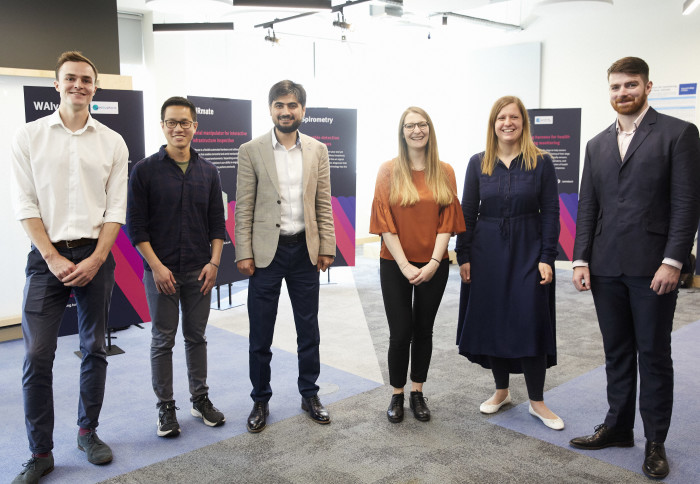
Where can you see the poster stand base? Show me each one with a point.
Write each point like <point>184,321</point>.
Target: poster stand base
<point>111,349</point>
<point>222,307</point>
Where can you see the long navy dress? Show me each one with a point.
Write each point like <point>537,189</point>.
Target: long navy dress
<point>512,220</point>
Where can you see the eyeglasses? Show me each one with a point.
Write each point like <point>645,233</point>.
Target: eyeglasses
<point>171,123</point>
<point>411,126</point>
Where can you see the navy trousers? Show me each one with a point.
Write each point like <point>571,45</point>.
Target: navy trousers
<point>636,326</point>
<point>291,263</point>
<point>45,299</point>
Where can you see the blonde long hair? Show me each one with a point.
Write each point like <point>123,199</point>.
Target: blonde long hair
<point>529,151</point>
<point>403,191</point>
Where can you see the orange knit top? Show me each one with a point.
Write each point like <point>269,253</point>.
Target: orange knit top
<point>417,225</point>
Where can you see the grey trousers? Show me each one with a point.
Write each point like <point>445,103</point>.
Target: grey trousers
<point>165,315</point>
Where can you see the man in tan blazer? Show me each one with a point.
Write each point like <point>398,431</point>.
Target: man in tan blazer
<point>284,230</point>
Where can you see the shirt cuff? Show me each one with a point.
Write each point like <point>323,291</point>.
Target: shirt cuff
<point>672,263</point>
<point>580,263</point>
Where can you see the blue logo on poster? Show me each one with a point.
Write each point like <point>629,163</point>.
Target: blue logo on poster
<point>95,107</point>
<point>688,89</point>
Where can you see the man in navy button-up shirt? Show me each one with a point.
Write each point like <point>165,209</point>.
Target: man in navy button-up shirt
<point>175,219</point>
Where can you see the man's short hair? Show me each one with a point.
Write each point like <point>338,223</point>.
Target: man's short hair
<point>73,56</point>
<point>284,88</point>
<point>630,65</point>
<point>178,101</point>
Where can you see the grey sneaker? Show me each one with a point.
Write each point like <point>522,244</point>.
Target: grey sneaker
<point>167,420</point>
<point>98,452</point>
<point>204,409</point>
<point>34,469</point>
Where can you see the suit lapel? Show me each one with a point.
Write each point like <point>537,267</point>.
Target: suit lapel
<point>645,127</point>
<point>306,160</point>
<point>611,140</point>
<point>268,159</point>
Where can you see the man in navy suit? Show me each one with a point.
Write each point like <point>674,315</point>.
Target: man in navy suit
<point>638,213</point>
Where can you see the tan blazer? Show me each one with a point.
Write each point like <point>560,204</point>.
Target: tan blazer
<point>258,209</point>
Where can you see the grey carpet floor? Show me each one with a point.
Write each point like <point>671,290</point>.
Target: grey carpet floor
<point>458,445</point>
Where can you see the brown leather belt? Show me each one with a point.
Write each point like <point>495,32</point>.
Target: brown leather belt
<point>72,244</point>
<point>293,239</point>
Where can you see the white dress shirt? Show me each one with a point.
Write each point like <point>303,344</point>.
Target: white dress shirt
<point>73,181</point>
<point>289,175</point>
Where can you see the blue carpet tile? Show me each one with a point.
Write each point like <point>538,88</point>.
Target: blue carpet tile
<point>129,415</point>
<point>582,404</point>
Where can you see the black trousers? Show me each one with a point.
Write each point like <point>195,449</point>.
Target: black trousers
<point>410,312</point>
<point>636,326</point>
<point>534,370</point>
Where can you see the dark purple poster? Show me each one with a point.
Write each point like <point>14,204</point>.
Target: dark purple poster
<point>224,125</point>
<point>337,129</point>
<point>558,131</point>
<point>121,111</point>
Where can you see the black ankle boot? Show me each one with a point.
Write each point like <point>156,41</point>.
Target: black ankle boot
<point>395,411</point>
<point>419,407</point>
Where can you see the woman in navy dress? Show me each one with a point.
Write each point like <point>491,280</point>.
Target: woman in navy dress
<point>506,257</point>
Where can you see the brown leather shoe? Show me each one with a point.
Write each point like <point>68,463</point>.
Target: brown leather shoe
<point>655,462</point>
<point>257,418</point>
<point>604,437</point>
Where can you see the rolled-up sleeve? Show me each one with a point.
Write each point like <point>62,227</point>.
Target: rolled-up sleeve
<point>116,187</point>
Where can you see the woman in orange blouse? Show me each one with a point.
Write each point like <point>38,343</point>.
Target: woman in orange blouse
<point>416,211</point>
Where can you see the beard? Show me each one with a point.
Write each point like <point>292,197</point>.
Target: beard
<point>633,108</point>
<point>289,128</point>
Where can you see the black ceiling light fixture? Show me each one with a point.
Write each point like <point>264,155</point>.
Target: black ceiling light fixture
<point>271,37</point>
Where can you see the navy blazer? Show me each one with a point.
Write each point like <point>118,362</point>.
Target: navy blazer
<point>633,214</point>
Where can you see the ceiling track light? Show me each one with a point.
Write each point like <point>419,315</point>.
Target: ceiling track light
<point>271,37</point>
<point>340,22</point>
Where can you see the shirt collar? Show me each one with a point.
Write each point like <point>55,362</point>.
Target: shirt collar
<point>276,144</point>
<point>636,123</point>
<point>55,119</point>
<point>162,154</point>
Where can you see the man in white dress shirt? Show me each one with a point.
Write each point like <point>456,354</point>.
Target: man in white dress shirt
<point>69,179</point>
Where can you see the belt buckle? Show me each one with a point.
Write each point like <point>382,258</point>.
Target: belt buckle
<point>68,244</point>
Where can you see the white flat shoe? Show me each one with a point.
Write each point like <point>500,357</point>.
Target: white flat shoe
<point>494,407</point>
<point>552,423</point>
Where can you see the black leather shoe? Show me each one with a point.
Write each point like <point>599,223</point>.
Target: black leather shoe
<point>419,407</point>
<point>604,437</point>
<point>395,411</point>
<point>256,420</point>
<point>317,411</point>
<point>655,463</point>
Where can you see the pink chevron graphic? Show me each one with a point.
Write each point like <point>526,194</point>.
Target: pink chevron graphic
<point>568,230</point>
<point>231,222</point>
<point>128,277</point>
<point>344,232</point>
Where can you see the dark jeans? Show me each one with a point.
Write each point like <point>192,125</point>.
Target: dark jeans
<point>410,312</point>
<point>165,316</point>
<point>292,264</point>
<point>636,326</point>
<point>534,370</point>
<point>45,299</point>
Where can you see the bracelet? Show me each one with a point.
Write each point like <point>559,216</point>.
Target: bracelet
<point>215,265</point>
<point>433,258</point>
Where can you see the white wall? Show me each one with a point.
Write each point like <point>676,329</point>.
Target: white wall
<point>455,76</point>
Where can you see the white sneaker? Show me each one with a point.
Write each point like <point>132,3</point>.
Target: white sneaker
<point>494,407</point>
